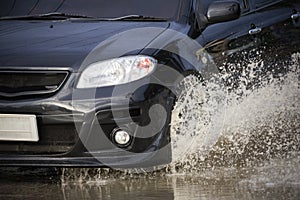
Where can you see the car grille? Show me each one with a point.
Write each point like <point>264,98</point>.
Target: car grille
<point>26,83</point>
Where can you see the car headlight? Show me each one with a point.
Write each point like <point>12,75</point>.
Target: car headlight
<point>116,71</point>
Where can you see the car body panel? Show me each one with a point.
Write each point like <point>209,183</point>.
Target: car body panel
<point>68,42</point>
<point>272,18</point>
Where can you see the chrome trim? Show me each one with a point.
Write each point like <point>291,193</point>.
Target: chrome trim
<point>295,16</point>
<point>255,31</point>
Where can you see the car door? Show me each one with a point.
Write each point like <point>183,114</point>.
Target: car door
<point>234,41</point>
<point>229,38</point>
<point>279,28</point>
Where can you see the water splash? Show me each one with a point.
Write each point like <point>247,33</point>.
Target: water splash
<point>277,172</point>
<point>238,122</point>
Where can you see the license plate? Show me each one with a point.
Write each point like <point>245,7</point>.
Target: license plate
<point>18,128</point>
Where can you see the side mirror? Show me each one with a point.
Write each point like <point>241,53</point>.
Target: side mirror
<point>222,11</point>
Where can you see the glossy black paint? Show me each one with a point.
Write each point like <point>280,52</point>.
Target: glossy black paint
<point>268,26</point>
<point>63,45</point>
<point>221,11</point>
<point>68,42</point>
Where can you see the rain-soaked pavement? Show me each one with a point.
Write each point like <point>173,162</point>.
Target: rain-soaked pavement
<point>280,180</point>
<point>252,152</point>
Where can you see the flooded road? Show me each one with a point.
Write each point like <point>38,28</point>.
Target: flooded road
<point>252,152</point>
<point>279,180</point>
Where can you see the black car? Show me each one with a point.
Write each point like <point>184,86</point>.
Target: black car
<point>92,83</point>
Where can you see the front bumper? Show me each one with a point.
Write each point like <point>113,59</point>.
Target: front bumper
<point>72,134</point>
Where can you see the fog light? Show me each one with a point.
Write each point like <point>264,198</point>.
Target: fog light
<point>122,138</point>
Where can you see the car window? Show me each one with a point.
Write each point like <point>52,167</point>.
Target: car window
<point>6,6</point>
<point>17,6</point>
<point>96,8</point>
<point>244,5</point>
<point>259,3</point>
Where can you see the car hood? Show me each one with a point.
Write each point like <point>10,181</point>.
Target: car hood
<point>67,44</point>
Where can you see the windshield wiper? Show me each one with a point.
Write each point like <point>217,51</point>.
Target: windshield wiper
<point>74,17</point>
<point>137,17</point>
<point>124,18</point>
<point>48,16</point>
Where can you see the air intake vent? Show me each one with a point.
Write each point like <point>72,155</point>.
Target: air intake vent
<point>24,83</point>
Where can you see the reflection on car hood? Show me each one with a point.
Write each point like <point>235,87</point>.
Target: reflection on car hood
<point>65,43</point>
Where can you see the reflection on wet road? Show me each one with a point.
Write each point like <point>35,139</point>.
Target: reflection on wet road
<point>277,180</point>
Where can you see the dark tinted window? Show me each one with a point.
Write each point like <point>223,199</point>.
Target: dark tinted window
<point>6,6</point>
<point>96,8</point>
<point>44,6</point>
<point>244,5</point>
<point>17,6</point>
<point>259,3</point>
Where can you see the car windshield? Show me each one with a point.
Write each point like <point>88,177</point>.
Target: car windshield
<point>166,9</point>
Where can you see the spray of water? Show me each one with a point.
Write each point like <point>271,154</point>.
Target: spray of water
<point>237,122</point>
<point>243,117</point>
